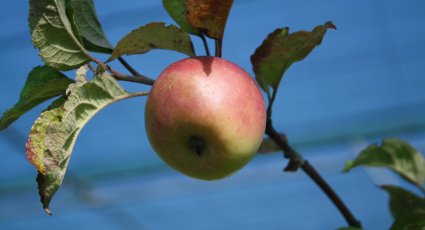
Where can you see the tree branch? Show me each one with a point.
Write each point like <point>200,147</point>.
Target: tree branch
<point>296,161</point>
<point>122,77</point>
<point>134,72</point>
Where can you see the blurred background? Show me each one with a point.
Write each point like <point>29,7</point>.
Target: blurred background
<point>365,82</point>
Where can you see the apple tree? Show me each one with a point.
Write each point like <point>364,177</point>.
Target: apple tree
<point>205,116</point>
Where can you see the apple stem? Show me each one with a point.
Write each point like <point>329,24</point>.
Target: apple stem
<point>296,161</point>
<point>204,41</point>
<point>218,47</point>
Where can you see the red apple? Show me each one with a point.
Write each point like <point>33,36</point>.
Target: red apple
<point>205,117</point>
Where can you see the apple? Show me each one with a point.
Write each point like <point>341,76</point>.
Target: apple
<point>205,117</point>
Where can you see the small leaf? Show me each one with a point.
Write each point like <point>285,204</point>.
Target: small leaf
<point>54,133</point>
<point>396,155</point>
<point>176,9</point>
<point>154,36</point>
<point>53,35</point>
<point>280,49</point>
<point>404,203</point>
<point>209,16</point>
<point>43,83</point>
<point>415,221</point>
<point>88,25</point>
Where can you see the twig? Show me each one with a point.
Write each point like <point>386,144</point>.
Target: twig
<point>204,41</point>
<point>119,76</point>
<point>122,77</point>
<point>147,80</point>
<point>296,161</point>
<point>128,67</point>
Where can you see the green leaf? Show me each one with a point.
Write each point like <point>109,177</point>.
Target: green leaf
<point>43,83</point>
<point>154,36</point>
<point>54,133</point>
<point>52,34</point>
<point>395,154</point>
<point>209,16</point>
<point>176,9</point>
<point>404,203</point>
<point>415,221</point>
<point>87,23</point>
<point>280,49</point>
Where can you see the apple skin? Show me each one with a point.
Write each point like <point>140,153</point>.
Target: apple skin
<point>205,117</point>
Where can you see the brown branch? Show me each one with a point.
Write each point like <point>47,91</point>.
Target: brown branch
<point>119,76</point>
<point>296,161</point>
<point>146,79</point>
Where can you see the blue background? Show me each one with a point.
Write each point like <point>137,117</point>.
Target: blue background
<point>365,82</point>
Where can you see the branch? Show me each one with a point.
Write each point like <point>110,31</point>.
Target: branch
<point>122,77</point>
<point>296,161</point>
<point>119,76</point>
<point>134,72</point>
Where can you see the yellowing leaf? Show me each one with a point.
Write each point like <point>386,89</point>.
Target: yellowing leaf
<point>280,49</point>
<point>176,9</point>
<point>54,133</point>
<point>209,16</point>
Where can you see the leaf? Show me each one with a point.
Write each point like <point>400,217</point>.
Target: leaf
<point>415,221</point>
<point>88,25</point>
<point>404,203</point>
<point>154,36</point>
<point>43,83</point>
<point>54,133</point>
<point>396,155</point>
<point>280,49</point>
<point>176,9</point>
<point>52,34</point>
<point>209,16</point>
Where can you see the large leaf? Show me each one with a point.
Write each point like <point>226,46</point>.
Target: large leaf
<point>415,221</point>
<point>52,34</point>
<point>154,36</point>
<point>88,25</point>
<point>43,83</point>
<point>54,133</point>
<point>396,155</point>
<point>404,203</point>
<point>176,9</point>
<point>280,49</point>
<point>209,16</point>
